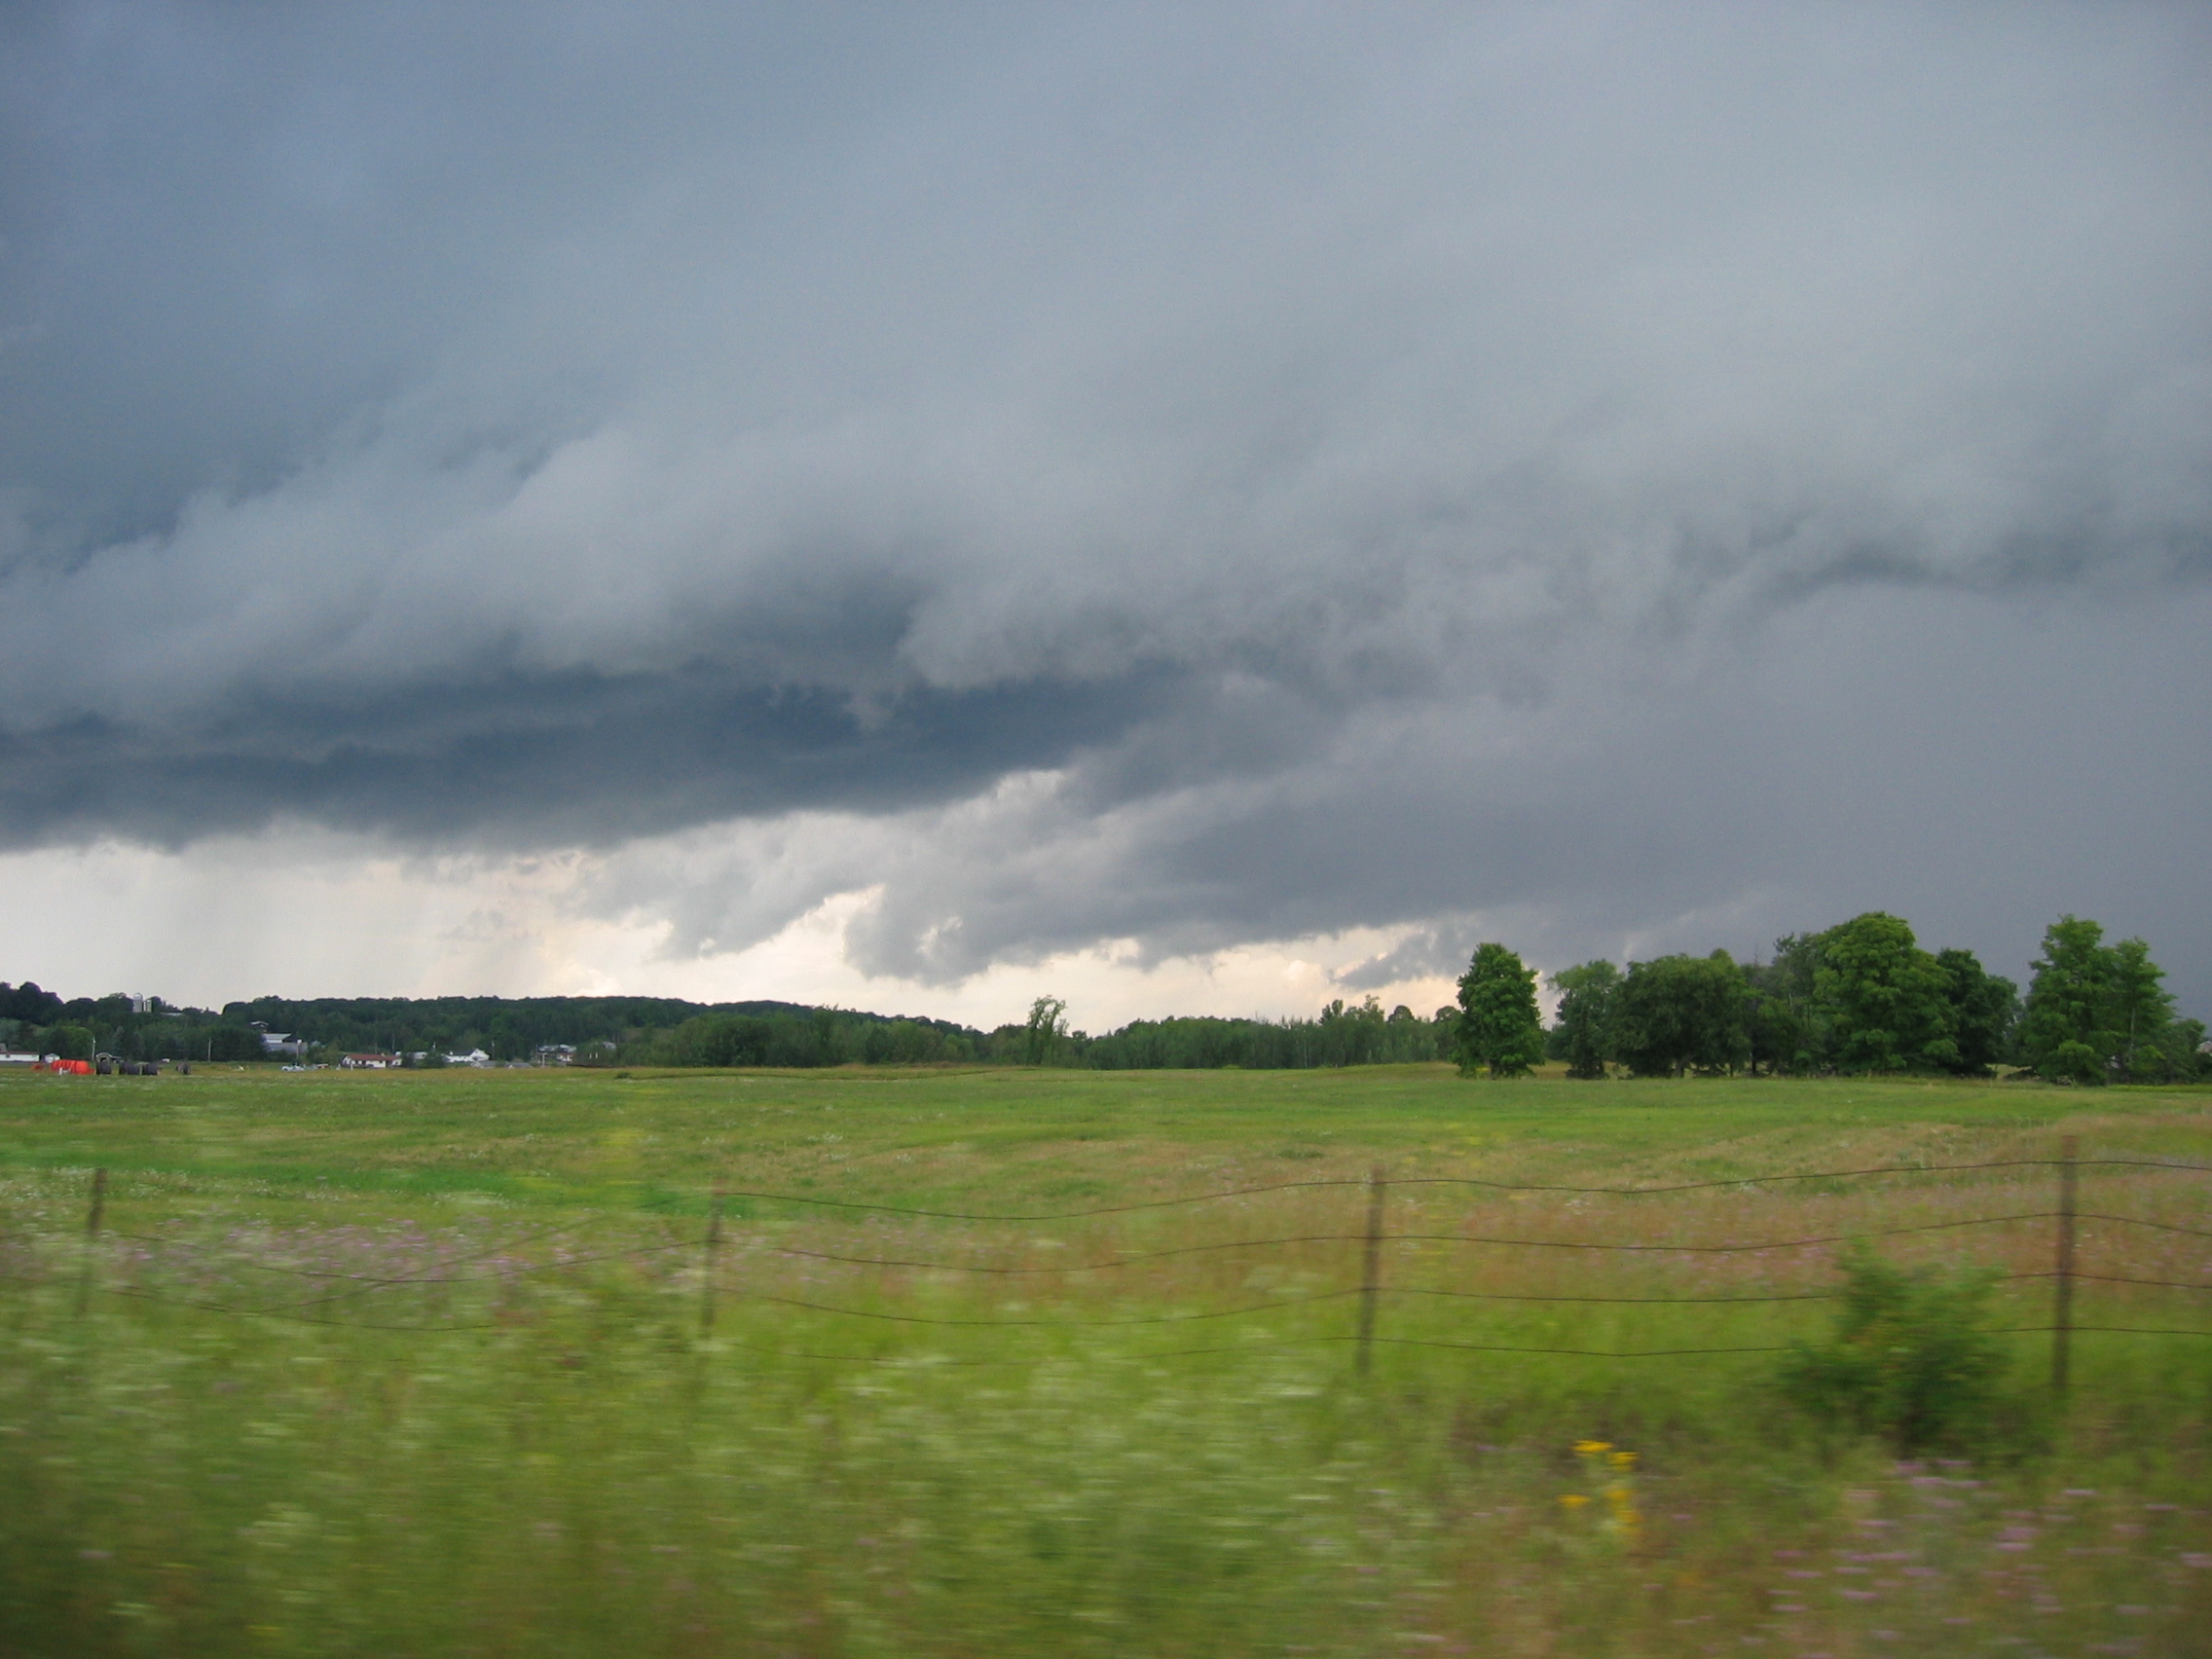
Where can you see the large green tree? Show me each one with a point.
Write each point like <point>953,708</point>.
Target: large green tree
<point>1984,1008</point>
<point>2184,1051</point>
<point>1885,1001</point>
<point>2098,1013</point>
<point>1677,1013</point>
<point>1782,1023</point>
<point>1583,1036</point>
<point>2064,1029</point>
<point>1499,1026</point>
<point>2141,1013</point>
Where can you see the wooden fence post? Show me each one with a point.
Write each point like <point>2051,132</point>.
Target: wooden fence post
<point>707,1276</point>
<point>92,1237</point>
<point>1371,1270</point>
<point>2062,1311</point>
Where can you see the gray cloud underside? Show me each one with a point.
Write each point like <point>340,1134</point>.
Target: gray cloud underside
<point>1367,462</point>
<point>572,759</point>
<point>1972,765</point>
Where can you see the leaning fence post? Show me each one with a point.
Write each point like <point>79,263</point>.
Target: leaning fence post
<point>2062,1310</point>
<point>706,1275</point>
<point>92,1237</point>
<point>1370,1267</point>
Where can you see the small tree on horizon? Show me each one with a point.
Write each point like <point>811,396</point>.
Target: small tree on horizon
<point>1044,1031</point>
<point>1500,1028</point>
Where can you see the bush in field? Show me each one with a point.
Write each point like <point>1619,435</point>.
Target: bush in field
<point>1909,1361</point>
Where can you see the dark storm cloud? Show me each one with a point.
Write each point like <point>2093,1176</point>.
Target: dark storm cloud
<point>567,759</point>
<point>1973,768</point>
<point>1343,452</point>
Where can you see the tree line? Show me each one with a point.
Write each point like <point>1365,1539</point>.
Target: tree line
<point>505,1029</point>
<point>598,1028</point>
<point>134,1029</point>
<point>1862,997</point>
<point>657,1031</point>
<point>1339,1036</point>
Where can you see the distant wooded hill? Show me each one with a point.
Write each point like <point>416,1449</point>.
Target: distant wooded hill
<point>513,1029</point>
<point>670,1031</point>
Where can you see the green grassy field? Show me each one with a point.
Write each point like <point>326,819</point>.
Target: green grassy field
<point>436,1363</point>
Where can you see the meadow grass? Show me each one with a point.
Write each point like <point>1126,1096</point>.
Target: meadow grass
<point>436,1363</point>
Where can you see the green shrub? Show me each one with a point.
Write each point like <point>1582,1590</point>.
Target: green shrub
<point>1909,1361</point>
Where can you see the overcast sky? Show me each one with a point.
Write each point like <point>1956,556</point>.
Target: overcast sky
<point>1190,507</point>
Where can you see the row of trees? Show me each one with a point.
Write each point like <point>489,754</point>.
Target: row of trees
<point>506,1028</point>
<point>802,1038</point>
<point>134,1028</point>
<point>1861,997</point>
<point>647,1029</point>
<point>1339,1036</point>
<point>665,1031</point>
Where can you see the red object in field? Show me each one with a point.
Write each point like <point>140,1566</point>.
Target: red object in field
<point>68,1068</point>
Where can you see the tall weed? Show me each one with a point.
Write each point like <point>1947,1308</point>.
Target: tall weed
<point>1909,1361</point>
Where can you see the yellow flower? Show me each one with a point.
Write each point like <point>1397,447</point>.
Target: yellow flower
<point>1591,1448</point>
<point>1622,1460</point>
<point>1572,1500</point>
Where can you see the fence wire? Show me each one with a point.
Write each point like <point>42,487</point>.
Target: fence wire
<point>357,1284</point>
<point>1460,1181</point>
<point>1134,1257</point>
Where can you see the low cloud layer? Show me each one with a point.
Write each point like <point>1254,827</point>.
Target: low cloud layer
<point>1176,476</point>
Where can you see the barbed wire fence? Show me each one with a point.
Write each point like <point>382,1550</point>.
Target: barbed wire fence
<point>2065,1275</point>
